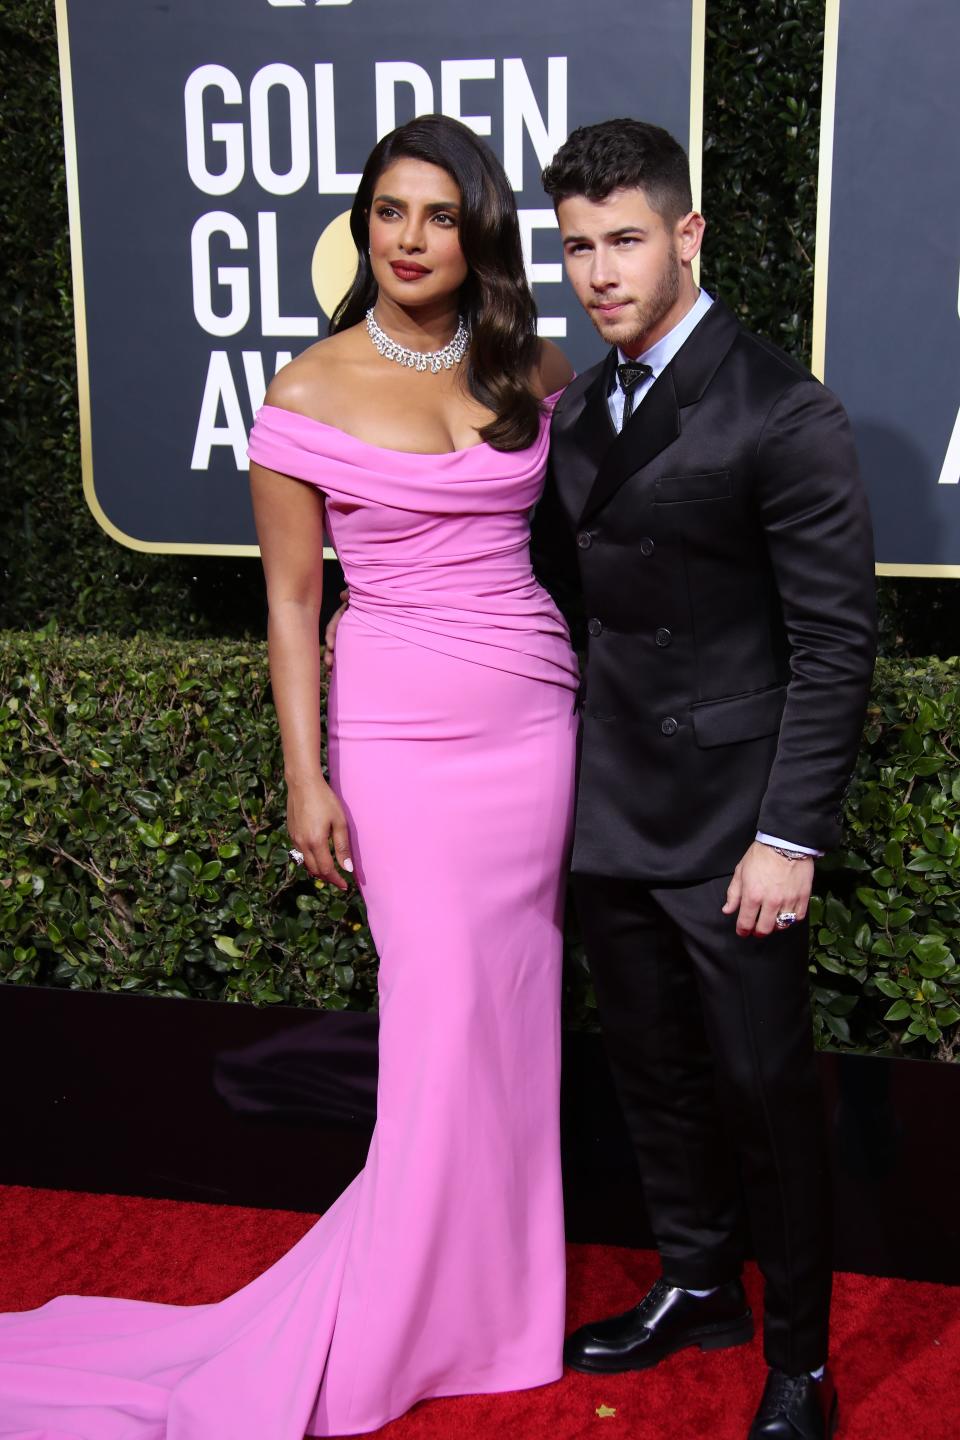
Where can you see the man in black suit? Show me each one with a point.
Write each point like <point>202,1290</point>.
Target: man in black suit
<point>709,485</point>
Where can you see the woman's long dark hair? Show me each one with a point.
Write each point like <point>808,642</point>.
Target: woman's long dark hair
<point>495,298</point>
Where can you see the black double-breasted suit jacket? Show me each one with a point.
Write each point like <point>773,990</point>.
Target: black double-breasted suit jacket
<point>725,562</point>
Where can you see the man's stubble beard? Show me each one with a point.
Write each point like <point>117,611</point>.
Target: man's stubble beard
<point>649,312</point>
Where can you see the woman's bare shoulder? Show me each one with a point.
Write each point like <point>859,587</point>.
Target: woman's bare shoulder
<point>553,370</point>
<point>309,384</point>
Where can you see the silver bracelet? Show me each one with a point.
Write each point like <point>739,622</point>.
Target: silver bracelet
<point>788,854</point>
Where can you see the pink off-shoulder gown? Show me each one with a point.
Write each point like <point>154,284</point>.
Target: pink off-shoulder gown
<point>440,1270</point>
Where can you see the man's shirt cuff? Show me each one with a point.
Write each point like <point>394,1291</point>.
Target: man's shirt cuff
<point>787,845</point>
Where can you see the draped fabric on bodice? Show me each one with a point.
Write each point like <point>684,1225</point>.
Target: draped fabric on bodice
<point>434,547</point>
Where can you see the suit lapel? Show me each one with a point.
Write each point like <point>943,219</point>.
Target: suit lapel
<point>657,421</point>
<point>585,435</point>
<point>651,428</point>
<point>594,430</point>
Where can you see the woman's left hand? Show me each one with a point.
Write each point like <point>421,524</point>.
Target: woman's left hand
<point>330,634</point>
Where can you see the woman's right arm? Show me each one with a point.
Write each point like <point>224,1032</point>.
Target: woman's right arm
<point>289,519</point>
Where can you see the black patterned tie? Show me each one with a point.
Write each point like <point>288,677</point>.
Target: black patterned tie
<point>630,373</point>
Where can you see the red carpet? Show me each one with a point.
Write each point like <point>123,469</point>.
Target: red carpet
<point>896,1344</point>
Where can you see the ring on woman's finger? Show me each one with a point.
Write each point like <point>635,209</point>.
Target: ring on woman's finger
<point>296,856</point>
<point>785,919</point>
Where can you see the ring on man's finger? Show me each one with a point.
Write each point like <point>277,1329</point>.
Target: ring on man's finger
<point>785,919</point>
<point>296,856</point>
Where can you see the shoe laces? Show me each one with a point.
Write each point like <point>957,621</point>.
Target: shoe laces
<point>653,1297</point>
<point>779,1394</point>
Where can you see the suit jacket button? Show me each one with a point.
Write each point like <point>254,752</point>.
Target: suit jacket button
<point>584,539</point>
<point>594,627</point>
<point>663,636</point>
<point>647,546</point>
<point>669,726</point>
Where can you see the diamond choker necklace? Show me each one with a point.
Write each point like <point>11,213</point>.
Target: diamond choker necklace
<point>451,354</point>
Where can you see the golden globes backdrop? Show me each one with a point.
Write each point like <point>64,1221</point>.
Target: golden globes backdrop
<point>887,309</point>
<point>212,152</point>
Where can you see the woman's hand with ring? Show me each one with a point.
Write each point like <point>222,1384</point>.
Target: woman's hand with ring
<point>315,822</point>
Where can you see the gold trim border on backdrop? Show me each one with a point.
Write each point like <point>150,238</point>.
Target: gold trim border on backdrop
<point>821,253</point>
<point>821,268</point>
<point>166,547</point>
<point>176,547</point>
<point>698,39</point>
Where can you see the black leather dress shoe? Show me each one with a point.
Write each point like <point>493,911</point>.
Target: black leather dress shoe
<point>796,1407</point>
<point>667,1319</point>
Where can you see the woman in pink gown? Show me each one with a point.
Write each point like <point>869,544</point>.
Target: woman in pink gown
<point>440,1270</point>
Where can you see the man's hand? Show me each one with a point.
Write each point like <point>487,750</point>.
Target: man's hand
<point>330,634</point>
<point>763,884</point>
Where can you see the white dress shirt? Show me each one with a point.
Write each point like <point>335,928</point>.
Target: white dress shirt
<point>658,357</point>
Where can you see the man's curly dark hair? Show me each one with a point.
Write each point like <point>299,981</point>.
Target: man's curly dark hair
<point>622,154</point>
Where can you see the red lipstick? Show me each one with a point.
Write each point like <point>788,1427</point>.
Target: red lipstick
<point>408,269</point>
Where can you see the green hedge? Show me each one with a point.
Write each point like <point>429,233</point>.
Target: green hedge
<point>142,846</point>
<point>140,830</point>
<point>886,925</point>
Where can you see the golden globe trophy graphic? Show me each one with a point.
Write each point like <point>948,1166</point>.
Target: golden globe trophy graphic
<point>334,263</point>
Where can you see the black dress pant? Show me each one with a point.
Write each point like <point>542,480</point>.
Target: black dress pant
<point>709,1040</point>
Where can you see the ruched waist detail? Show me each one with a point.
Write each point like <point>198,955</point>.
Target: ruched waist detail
<point>530,640</point>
